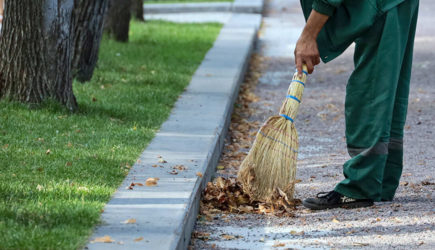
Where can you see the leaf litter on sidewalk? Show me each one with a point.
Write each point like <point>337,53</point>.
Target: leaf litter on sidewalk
<point>225,194</point>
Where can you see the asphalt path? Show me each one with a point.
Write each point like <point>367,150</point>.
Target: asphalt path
<point>406,223</point>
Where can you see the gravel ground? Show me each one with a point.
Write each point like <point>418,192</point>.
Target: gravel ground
<point>406,223</point>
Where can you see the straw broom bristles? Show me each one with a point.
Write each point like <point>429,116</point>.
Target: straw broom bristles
<point>271,162</point>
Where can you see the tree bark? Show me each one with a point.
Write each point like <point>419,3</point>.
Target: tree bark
<point>117,22</point>
<point>88,17</point>
<point>137,10</point>
<point>35,45</point>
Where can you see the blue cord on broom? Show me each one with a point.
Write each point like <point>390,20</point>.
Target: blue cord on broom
<point>270,165</point>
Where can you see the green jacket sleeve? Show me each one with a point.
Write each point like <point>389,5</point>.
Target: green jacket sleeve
<point>326,7</point>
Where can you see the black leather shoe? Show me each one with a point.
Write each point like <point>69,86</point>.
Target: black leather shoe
<point>326,200</point>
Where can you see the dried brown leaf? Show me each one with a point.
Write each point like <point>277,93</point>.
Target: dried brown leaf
<point>180,167</point>
<point>173,172</point>
<point>278,244</point>
<point>129,221</point>
<point>151,182</point>
<point>228,237</point>
<point>104,239</point>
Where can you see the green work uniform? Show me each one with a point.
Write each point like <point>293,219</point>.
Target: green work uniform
<point>377,91</point>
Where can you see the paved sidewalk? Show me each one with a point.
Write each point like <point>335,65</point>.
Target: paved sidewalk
<point>183,154</point>
<point>406,223</point>
<point>238,6</point>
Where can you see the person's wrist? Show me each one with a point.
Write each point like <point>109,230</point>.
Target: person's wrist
<point>308,36</point>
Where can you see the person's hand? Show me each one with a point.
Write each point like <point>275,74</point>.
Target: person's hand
<point>306,52</point>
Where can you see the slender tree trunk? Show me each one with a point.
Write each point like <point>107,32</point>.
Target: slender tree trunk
<point>137,10</point>
<point>88,17</point>
<point>35,58</point>
<point>117,22</point>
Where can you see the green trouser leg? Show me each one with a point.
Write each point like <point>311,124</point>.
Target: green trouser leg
<point>376,104</point>
<point>394,166</point>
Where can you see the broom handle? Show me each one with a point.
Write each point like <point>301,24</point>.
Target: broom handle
<point>290,107</point>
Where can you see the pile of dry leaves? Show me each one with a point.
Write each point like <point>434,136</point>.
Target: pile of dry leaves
<point>226,195</point>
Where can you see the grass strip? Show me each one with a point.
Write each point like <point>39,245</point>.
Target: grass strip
<point>58,169</point>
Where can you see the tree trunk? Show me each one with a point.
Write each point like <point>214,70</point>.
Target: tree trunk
<point>117,22</point>
<point>137,10</point>
<point>35,45</point>
<point>88,17</point>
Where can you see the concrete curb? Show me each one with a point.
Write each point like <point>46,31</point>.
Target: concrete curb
<point>193,136</point>
<point>238,6</point>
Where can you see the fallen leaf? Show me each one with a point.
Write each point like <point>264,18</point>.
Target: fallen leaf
<point>138,239</point>
<point>68,164</point>
<point>180,167</point>
<point>201,235</point>
<point>335,220</point>
<point>246,209</point>
<point>228,237</point>
<point>129,221</point>
<point>293,232</point>
<point>199,174</point>
<point>39,187</point>
<point>138,184</point>
<point>278,244</point>
<point>104,239</point>
<point>220,167</point>
<point>360,244</point>
<point>151,182</point>
<point>155,165</point>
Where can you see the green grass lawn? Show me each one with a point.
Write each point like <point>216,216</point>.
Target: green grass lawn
<point>58,169</point>
<point>184,1</point>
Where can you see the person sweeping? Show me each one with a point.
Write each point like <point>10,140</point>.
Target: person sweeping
<point>376,94</point>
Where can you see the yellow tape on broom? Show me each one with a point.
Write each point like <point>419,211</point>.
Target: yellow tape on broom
<point>271,162</point>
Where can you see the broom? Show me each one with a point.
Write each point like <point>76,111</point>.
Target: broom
<point>270,165</point>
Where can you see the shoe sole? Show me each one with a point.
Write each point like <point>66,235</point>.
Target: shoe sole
<point>351,205</point>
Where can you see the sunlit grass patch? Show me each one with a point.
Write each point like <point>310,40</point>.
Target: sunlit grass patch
<point>58,169</point>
